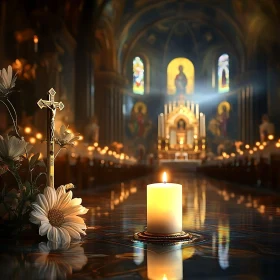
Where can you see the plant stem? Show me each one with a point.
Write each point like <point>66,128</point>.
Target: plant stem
<point>59,151</point>
<point>17,177</point>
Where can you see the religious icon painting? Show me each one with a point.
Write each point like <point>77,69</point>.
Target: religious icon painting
<point>139,124</point>
<point>138,76</point>
<point>223,73</point>
<point>180,77</point>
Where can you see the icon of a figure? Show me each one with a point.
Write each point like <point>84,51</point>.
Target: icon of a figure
<point>139,124</point>
<point>181,125</point>
<point>181,81</point>
<point>223,118</point>
<point>224,78</point>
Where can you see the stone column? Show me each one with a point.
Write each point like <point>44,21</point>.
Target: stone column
<point>108,106</point>
<point>245,114</point>
<point>122,119</point>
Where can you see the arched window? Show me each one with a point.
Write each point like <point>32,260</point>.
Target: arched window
<point>223,73</point>
<point>180,76</point>
<point>138,76</point>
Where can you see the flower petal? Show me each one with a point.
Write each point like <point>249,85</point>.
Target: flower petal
<point>64,200</point>
<point>43,247</point>
<point>38,209</point>
<point>51,196</point>
<point>44,228</point>
<point>10,74</point>
<point>78,227</point>
<point>53,234</point>
<point>74,219</point>
<point>42,202</point>
<point>34,220</point>
<point>60,192</point>
<point>16,147</point>
<point>72,232</point>
<point>76,210</point>
<point>65,236</point>
<point>5,78</point>
<point>37,218</point>
<point>75,202</point>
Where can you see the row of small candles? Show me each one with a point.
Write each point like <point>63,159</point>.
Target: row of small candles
<point>253,149</point>
<point>92,151</point>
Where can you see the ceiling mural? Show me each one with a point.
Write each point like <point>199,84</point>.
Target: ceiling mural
<point>194,22</point>
<point>242,25</point>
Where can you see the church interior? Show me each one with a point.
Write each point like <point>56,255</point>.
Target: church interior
<point>139,139</point>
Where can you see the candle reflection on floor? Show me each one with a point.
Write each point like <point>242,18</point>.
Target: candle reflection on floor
<point>223,243</point>
<point>164,265</point>
<point>138,254</point>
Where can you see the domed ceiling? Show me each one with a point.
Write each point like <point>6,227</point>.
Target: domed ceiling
<point>184,26</point>
<point>181,35</point>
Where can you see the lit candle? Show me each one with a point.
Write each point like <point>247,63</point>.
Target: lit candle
<point>192,107</point>
<point>165,109</point>
<point>188,105</point>
<point>202,125</point>
<point>174,105</point>
<point>169,107</point>
<point>36,41</point>
<point>162,125</point>
<point>159,127</point>
<point>164,207</point>
<point>204,132</point>
<point>163,266</point>
<point>197,111</point>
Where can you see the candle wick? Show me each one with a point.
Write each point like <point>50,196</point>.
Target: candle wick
<point>164,182</point>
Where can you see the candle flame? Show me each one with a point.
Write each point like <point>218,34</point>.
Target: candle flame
<point>164,177</point>
<point>35,39</point>
<point>164,277</point>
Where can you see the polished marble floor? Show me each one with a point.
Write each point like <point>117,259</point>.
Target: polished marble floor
<point>241,230</point>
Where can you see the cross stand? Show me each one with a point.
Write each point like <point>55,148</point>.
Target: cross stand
<point>51,106</point>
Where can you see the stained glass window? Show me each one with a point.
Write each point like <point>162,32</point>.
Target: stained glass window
<point>138,76</point>
<point>223,73</point>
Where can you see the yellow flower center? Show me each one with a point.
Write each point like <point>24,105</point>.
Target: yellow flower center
<point>56,217</point>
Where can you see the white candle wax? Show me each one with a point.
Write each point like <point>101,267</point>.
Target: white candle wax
<point>162,125</point>
<point>165,109</point>
<point>192,107</point>
<point>204,132</point>
<point>197,111</point>
<point>164,265</point>
<point>164,208</point>
<point>159,127</point>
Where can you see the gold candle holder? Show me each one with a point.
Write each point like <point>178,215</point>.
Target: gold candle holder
<point>167,239</point>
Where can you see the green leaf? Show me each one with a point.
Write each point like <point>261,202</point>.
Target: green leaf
<point>41,163</point>
<point>28,188</point>
<point>33,159</point>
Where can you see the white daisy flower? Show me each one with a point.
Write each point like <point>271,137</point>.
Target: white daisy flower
<point>57,215</point>
<point>12,148</point>
<point>65,137</point>
<point>7,81</point>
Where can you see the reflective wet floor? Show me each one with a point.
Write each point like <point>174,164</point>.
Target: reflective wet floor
<point>240,229</point>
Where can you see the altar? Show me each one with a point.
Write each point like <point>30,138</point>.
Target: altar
<point>181,132</point>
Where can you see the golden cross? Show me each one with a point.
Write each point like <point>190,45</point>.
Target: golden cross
<point>51,105</point>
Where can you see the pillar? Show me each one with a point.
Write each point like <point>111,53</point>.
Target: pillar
<point>246,114</point>
<point>108,106</point>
